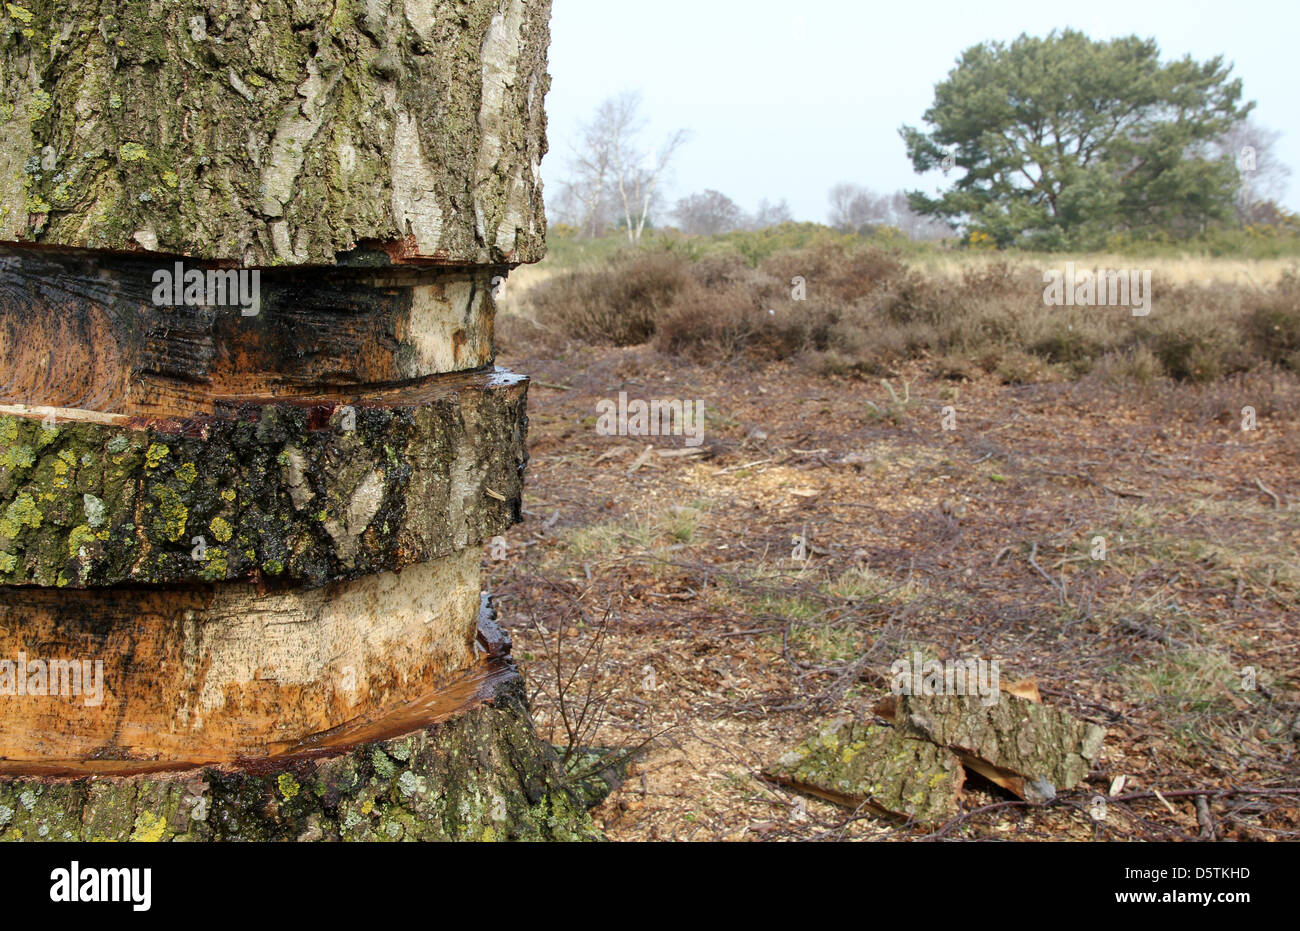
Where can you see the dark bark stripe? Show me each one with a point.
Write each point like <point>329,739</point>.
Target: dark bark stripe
<point>115,334</point>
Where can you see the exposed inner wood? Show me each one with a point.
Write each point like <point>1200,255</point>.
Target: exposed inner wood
<point>473,769</point>
<point>84,330</point>
<point>216,673</point>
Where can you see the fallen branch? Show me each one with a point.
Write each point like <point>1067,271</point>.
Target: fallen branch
<point>1277,502</point>
<point>1033,561</point>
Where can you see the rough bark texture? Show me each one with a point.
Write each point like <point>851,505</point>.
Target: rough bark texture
<point>277,133</point>
<point>281,492</point>
<point>877,768</point>
<point>480,775</point>
<point>213,501</point>
<point>84,330</point>
<point>1022,745</point>
<point>215,672</point>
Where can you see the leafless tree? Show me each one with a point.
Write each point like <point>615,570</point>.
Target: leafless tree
<point>770,214</point>
<point>912,224</point>
<point>709,213</point>
<point>591,170</point>
<point>854,208</point>
<point>1253,149</point>
<point>860,210</point>
<point>614,176</point>
<point>637,171</point>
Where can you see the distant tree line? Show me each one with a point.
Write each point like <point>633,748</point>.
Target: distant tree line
<point>1055,142</point>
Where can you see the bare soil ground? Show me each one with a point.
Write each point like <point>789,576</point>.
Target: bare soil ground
<point>667,598</point>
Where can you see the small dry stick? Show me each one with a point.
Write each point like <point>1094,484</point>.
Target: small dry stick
<point>1205,819</point>
<point>1277,502</point>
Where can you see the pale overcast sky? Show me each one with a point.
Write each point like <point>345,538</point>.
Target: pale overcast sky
<point>786,99</point>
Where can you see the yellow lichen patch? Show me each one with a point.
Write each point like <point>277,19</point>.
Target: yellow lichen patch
<point>289,787</point>
<point>156,454</point>
<point>174,515</point>
<point>79,537</point>
<point>221,529</point>
<point>22,512</point>
<point>132,152</point>
<point>215,566</point>
<point>149,828</point>
<point>39,105</point>
<point>18,457</point>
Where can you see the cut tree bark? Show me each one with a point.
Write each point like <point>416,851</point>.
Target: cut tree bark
<point>1024,746</point>
<point>276,133</point>
<point>216,672</point>
<point>85,330</point>
<point>283,492</point>
<point>251,521</point>
<point>467,766</point>
<point>878,769</point>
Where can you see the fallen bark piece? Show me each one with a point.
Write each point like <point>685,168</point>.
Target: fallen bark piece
<point>887,772</point>
<point>127,334</point>
<point>1024,746</point>
<point>482,774</point>
<point>293,493</point>
<point>276,133</point>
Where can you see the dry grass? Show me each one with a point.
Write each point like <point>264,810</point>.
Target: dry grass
<point>1188,270</point>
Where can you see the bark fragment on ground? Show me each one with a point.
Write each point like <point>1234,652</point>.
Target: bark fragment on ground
<point>279,133</point>
<point>877,768</point>
<point>308,493</point>
<point>482,774</point>
<point>1024,746</point>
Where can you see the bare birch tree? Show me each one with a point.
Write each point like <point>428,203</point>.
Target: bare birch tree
<point>1253,149</point>
<point>613,164</point>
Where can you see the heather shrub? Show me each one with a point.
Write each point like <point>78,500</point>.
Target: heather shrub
<point>845,309</point>
<point>619,303</point>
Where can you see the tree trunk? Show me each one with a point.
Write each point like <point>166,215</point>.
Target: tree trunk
<point>213,673</point>
<point>287,135</point>
<point>241,508</point>
<point>472,770</point>
<point>286,493</point>
<point>116,334</point>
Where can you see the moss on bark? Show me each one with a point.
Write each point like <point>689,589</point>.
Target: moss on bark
<point>295,494</point>
<point>276,133</point>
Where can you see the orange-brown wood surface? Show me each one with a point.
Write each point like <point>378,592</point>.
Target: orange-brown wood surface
<point>216,673</point>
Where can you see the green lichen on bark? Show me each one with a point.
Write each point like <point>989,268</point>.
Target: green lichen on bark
<point>879,768</point>
<point>282,136</point>
<point>482,776</point>
<point>289,493</point>
<point>1043,746</point>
